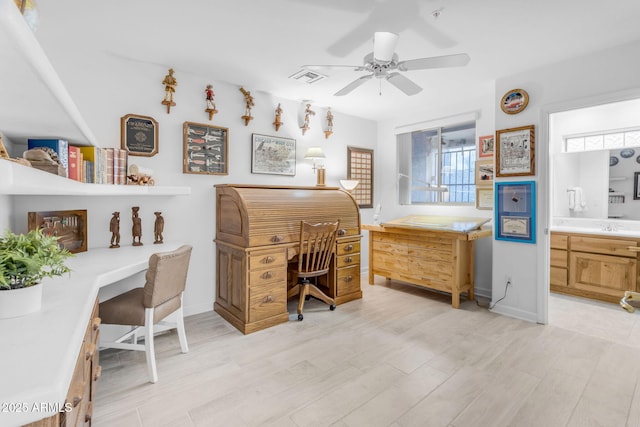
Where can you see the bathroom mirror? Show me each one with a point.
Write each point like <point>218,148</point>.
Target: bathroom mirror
<point>596,184</point>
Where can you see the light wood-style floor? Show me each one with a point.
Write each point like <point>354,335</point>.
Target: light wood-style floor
<point>401,356</point>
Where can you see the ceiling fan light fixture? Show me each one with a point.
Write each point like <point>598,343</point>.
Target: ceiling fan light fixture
<point>384,45</point>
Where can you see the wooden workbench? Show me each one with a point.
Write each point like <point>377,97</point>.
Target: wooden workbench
<point>429,251</point>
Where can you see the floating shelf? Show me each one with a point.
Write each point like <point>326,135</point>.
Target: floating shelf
<point>18,179</point>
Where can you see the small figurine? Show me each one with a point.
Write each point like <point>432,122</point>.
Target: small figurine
<point>308,112</point>
<point>329,129</point>
<point>137,226</point>
<point>170,84</point>
<point>158,228</point>
<point>278,121</point>
<point>114,228</point>
<point>249,103</point>
<point>211,106</point>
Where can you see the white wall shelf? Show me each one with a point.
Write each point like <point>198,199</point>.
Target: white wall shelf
<point>18,179</point>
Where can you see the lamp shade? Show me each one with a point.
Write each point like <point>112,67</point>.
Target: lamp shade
<point>314,153</point>
<point>349,184</point>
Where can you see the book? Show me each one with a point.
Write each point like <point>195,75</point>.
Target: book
<point>59,146</point>
<point>109,165</point>
<point>120,166</point>
<point>75,163</point>
<point>91,155</point>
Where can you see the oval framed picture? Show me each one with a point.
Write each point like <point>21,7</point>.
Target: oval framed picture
<point>627,153</point>
<point>514,101</point>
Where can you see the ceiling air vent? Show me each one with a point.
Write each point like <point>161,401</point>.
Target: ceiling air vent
<point>307,76</point>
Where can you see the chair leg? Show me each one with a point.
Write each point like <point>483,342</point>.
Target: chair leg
<point>315,292</point>
<point>304,291</point>
<point>149,348</point>
<point>182,336</point>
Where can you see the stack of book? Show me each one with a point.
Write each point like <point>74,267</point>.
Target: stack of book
<point>93,165</point>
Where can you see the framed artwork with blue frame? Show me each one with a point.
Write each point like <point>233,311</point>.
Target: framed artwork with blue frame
<point>515,207</point>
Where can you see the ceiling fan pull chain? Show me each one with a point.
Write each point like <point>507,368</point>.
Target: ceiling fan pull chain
<point>380,83</point>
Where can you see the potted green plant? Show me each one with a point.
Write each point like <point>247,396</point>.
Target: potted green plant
<point>25,259</point>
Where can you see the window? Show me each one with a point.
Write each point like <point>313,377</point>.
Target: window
<point>437,165</point>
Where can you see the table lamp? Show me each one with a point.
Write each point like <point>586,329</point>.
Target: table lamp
<point>316,153</point>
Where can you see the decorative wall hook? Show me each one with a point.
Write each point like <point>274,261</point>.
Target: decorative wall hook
<point>170,84</point>
<point>211,106</point>
<point>329,129</point>
<point>307,112</point>
<point>278,122</point>
<point>249,103</point>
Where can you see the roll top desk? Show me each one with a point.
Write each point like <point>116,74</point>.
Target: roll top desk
<point>257,233</point>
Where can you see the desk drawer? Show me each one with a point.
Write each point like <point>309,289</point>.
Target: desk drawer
<point>268,275</point>
<point>347,260</point>
<point>268,259</point>
<point>267,300</point>
<point>348,280</point>
<point>348,248</point>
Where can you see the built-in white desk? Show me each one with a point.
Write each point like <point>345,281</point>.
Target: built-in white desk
<point>38,351</point>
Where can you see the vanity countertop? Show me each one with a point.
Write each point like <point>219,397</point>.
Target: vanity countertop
<point>609,232</point>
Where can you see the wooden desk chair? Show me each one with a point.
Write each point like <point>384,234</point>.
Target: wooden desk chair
<point>317,245</point>
<point>142,308</point>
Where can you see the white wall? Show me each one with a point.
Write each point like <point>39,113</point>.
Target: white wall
<point>136,88</point>
<point>386,173</point>
<point>569,84</point>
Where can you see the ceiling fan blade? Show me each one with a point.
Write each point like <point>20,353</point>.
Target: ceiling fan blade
<point>434,62</point>
<point>354,84</point>
<point>384,45</point>
<point>324,68</point>
<point>403,83</point>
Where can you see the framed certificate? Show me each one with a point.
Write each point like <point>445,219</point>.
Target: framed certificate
<point>515,206</point>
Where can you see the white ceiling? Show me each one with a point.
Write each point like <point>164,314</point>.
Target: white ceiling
<point>259,43</point>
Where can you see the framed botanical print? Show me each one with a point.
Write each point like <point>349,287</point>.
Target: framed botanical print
<point>515,151</point>
<point>360,168</point>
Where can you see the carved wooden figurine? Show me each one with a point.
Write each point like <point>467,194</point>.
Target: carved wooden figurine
<point>248,99</point>
<point>170,84</point>
<point>158,228</point>
<point>278,121</point>
<point>136,230</point>
<point>211,106</point>
<point>3,151</point>
<point>329,129</point>
<point>114,228</point>
<point>307,112</point>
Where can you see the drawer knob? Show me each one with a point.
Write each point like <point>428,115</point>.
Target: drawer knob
<point>268,298</point>
<point>342,232</point>
<point>348,279</point>
<point>97,373</point>
<point>348,248</point>
<point>96,323</point>
<point>91,349</point>
<point>276,239</point>
<point>348,259</point>
<point>268,260</point>
<point>267,275</point>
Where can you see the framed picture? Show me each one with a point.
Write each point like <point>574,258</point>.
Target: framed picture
<point>139,135</point>
<point>484,172</point>
<point>514,101</point>
<point>205,149</point>
<point>273,155</point>
<point>515,206</point>
<point>360,168</point>
<point>69,226</point>
<point>515,151</point>
<point>485,146</point>
<point>484,198</point>
<point>636,186</point>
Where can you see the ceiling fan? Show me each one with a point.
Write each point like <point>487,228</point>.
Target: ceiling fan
<point>383,63</point>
